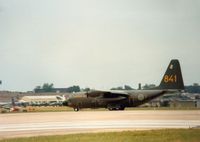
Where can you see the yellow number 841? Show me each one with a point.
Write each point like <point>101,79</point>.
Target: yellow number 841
<point>170,78</point>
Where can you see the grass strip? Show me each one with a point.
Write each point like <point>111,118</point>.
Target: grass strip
<point>165,135</point>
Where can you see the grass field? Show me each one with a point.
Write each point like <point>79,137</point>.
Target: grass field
<point>167,135</point>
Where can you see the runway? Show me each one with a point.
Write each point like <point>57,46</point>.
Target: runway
<point>33,124</point>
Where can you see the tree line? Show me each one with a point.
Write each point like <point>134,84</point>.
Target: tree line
<point>49,87</point>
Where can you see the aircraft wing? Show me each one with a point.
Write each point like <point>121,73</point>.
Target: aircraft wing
<point>111,95</point>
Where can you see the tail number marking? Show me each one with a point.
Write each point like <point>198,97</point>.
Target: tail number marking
<point>170,78</point>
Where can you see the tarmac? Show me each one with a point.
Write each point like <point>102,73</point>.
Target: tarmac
<point>51,123</point>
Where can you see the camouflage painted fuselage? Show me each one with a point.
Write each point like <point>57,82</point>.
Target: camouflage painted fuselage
<point>101,99</point>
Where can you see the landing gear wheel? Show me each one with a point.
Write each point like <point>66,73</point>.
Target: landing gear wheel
<point>121,108</point>
<point>76,109</point>
<point>110,109</point>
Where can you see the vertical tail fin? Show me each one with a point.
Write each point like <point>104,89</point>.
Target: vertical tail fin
<point>172,78</point>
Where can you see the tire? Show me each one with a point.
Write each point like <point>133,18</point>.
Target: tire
<point>110,109</point>
<point>121,108</point>
<point>76,109</point>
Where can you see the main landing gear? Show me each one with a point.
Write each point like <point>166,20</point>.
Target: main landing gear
<point>111,108</point>
<point>76,109</point>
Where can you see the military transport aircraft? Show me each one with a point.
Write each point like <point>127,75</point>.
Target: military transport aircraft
<point>171,82</point>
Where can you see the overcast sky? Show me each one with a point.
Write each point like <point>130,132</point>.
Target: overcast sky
<point>96,43</point>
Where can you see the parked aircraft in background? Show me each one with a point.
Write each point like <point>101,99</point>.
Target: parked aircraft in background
<point>171,82</point>
<point>12,106</point>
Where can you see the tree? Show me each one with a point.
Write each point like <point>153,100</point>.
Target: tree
<point>37,87</point>
<point>195,84</point>
<point>149,86</point>
<point>195,88</point>
<point>126,87</point>
<point>86,89</point>
<point>47,87</point>
<point>73,89</point>
<point>117,88</point>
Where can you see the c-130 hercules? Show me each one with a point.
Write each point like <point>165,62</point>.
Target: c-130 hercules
<point>171,82</point>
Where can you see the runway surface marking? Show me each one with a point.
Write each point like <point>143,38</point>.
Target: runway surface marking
<point>147,124</point>
<point>33,124</point>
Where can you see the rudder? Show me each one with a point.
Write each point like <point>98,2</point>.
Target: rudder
<point>172,78</point>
